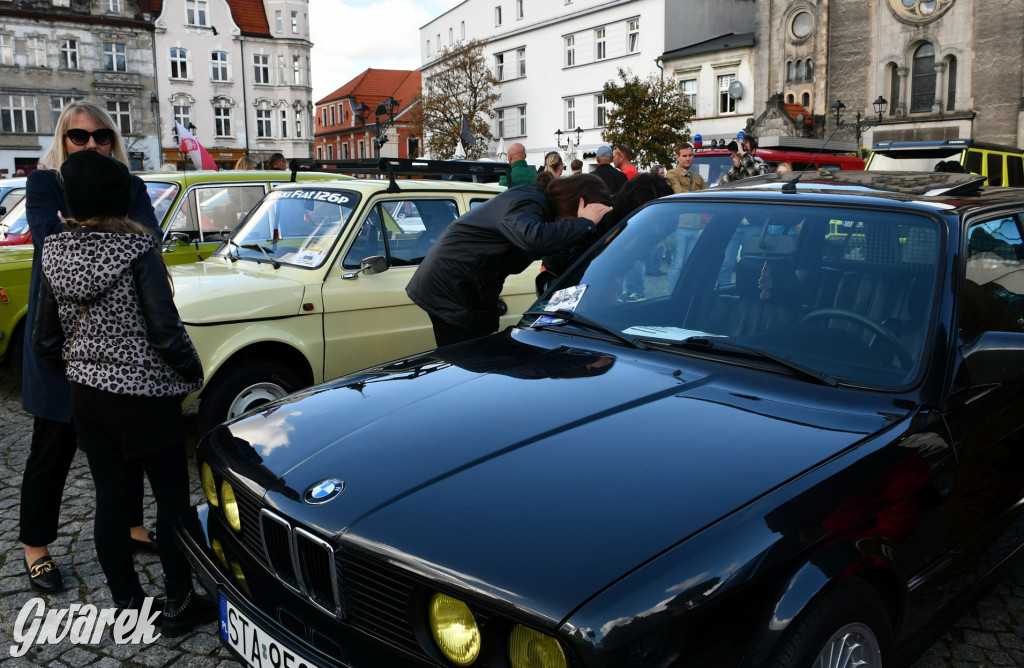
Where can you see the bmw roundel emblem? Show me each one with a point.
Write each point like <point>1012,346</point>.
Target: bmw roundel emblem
<point>324,491</point>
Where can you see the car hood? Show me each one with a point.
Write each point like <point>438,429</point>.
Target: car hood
<point>538,475</point>
<point>15,255</point>
<point>212,292</point>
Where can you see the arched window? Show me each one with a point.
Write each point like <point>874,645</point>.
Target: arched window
<point>790,99</point>
<point>951,84</point>
<point>892,75</point>
<point>789,70</point>
<point>810,69</point>
<point>922,93</point>
<point>805,100</point>
<point>799,69</point>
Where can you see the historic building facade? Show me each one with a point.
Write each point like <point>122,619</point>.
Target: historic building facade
<point>946,68</point>
<point>238,72</point>
<point>56,51</point>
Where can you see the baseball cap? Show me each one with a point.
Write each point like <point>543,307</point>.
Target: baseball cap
<point>604,152</point>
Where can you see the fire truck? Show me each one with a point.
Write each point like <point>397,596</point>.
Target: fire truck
<point>801,152</point>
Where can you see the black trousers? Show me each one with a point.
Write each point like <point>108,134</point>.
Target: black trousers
<point>445,334</point>
<point>121,433</point>
<point>46,472</point>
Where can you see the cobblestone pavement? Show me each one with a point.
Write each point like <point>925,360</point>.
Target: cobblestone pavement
<point>989,634</point>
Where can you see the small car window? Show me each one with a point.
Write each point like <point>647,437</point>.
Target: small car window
<point>1014,170</point>
<point>410,228</point>
<point>995,169</point>
<point>992,298</point>
<point>161,195</point>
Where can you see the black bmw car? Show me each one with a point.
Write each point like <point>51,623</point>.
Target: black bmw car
<point>801,444</point>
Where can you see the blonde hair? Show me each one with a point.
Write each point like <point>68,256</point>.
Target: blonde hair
<point>57,154</point>
<point>245,162</point>
<point>552,161</point>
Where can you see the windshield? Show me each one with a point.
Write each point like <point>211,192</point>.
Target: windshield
<point>712,167</point>
<point>293,227</point>
<point>838,292</point>
<point>918,160</point>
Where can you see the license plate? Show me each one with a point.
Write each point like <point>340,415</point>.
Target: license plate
<point>257,647</point>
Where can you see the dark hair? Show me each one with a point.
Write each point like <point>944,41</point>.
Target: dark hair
<point>576,164</point>
<point>681,145</point>
<point>641,189</point>
<point>624,150</point>
<point>565,193</point>
<point>751,140</point>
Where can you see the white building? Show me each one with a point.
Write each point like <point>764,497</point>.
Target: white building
<point>238,71</point>
<point>553,58</point>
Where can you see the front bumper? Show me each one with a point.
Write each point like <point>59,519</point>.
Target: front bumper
<point>306,631</point>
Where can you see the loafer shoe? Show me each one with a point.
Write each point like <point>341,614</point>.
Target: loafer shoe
<point>146,545</point>
<point>44,575</point>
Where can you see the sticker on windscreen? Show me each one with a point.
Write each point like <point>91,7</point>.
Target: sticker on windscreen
<point>566,299</point>
<point>669,333</point>
<point>307,258</point>
<point>314,195</point>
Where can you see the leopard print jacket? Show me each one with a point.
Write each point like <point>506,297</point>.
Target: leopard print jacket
<point>105,343</point>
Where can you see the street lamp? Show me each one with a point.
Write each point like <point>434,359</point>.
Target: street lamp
<point>861,123</point>
<point>384,118</point>
<point>568,138</point>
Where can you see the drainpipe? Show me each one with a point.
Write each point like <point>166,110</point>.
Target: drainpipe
<point>245,103</point>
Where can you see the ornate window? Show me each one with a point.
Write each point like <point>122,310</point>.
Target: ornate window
<point>922,93</point>
<point>801,25</point>
<point>919,11</point>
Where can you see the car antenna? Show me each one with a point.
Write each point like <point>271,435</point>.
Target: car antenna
<point>790,186</point>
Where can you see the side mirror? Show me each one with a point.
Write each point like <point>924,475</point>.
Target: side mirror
<point>175,239</point>
<point>995,357</point>
<point>375,264</point>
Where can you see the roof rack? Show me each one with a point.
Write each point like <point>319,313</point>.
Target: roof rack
<point>912,183</point>
<point>393,167</point>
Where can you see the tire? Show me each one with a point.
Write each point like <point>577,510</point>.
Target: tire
<point>846,626</point>
<point>244,386</point>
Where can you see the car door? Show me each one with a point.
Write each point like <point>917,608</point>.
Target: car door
<point>368,318</point>
<point>987,422</point>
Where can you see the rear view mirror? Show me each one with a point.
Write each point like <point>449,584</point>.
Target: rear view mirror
<point>376,264</point>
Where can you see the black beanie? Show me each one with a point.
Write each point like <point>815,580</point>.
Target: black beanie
<point>95,185</point>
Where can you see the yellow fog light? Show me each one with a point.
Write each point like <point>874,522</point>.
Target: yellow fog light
<point>218,550</point>
<point>209,486</point>
<point>454,629</point>
<point>227,497</point>
<point>236,570</point>
<point>532,649</point>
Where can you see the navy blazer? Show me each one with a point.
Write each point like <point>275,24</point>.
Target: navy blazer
<point>45,392</point>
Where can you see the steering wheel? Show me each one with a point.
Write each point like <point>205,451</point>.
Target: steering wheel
<point>902,354</point>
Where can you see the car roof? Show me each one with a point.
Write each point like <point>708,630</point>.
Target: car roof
<point>895,146</point>
<point>236,176</point>
<point>937,191</point>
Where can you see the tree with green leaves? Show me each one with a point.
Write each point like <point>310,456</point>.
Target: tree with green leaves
<point>650,116</point>
<point>460,83</point>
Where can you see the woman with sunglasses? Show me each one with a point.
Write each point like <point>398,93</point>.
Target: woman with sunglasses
<point>45,392</point>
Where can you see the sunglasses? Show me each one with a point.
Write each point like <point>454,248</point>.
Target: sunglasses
<point>80,137</point>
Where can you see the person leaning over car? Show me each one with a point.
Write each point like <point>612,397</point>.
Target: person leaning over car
<point>460,280</point>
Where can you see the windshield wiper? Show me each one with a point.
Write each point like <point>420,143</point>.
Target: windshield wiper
<point>582,321</point>
<point>274,263</point>
<point>720,344</point>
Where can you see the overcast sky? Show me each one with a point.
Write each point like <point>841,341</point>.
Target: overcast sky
<point>350,36</point>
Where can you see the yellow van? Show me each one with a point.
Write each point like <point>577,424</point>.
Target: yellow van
<point>1002,165</point>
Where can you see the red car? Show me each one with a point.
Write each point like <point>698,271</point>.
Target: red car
<point>14,228</point>
<point>713,163</point>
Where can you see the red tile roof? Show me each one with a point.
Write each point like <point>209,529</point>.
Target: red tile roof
<point>249,15</point>
<point>374,86</point>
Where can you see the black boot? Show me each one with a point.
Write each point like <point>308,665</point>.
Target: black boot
<point>182,614</point>
<point>132,598</point>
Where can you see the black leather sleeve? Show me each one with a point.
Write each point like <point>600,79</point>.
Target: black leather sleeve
<point>164,329</point>
<point>47,334</point>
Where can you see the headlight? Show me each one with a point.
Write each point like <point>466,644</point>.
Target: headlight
<point>209,486</point>
<point>532,649</point>
<point>227,497</point>
<point>454,629</point>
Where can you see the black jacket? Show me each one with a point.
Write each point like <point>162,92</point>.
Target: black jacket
<point>462,276</point>
<point>611,176</point>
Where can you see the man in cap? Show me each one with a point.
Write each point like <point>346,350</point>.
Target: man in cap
<point>612,177</point>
